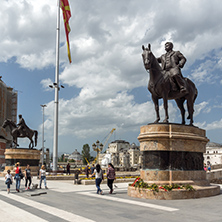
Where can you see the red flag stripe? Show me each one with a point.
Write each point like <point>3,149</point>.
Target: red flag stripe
<point>66,16</point>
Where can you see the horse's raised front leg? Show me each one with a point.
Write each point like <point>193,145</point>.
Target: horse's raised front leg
<point>156,104</point>
<point>165,105</point>
<point>15,142</point>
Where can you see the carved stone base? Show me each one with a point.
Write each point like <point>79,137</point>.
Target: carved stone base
<point>23,156</point>
<point>2,150</point>
<point>173,153</point>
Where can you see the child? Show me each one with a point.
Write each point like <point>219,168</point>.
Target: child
<point>8,180</point>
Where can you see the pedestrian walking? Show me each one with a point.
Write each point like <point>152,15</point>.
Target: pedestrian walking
<point>111,176</point>
<point>205,167</point>
<point>42,177</point>
<point>17,177</point>
<point>8,180</point>
<point>28,177</point>
<point>76,178</point>
<point>68,169</point>
<point>87,171</point>
<point>208,166</point>
<point>99,177</point>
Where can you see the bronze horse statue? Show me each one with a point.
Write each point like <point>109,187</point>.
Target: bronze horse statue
<point>16,133</point>
<point>160,87</point>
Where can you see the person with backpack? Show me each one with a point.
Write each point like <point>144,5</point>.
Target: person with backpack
<point>99,178</point>
<point>8,180</point>
<point>28,177</point>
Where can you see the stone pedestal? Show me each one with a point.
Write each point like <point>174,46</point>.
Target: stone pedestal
<point>24,156</point>
<point>173,154</point>
<point>2,150</point>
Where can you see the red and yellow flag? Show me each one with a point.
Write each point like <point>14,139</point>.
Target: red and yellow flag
<point>64,4</point>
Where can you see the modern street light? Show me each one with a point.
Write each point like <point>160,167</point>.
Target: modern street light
<point>43,106</point>
<point>98,147</point>
<point>56,86</point>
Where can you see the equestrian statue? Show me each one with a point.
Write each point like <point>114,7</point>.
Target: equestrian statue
<point>21,130</point>
<point>166,81</point>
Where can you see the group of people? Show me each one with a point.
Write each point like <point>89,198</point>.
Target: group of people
<point>28,177</point>
<point>207,167</point>
<point>111,176</point>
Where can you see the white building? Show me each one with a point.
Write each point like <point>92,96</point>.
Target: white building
<point>134,153</point>
<point>123,154</point>
<point>118,146</point>
<point>213,153</point>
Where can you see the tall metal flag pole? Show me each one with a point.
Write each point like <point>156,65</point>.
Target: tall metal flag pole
<point>56,85</point>
<point>66,16</point>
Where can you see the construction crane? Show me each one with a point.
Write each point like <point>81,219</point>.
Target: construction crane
<point>98,147</point>
<point>107,139</point>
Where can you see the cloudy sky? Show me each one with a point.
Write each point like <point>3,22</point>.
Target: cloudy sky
<point>106,84</point>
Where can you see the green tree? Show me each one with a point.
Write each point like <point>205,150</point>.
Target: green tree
<point>85,153</point>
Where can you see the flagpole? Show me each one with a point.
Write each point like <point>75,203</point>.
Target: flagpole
<point>56,86</point>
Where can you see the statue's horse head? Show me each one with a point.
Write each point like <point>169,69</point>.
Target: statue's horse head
<point>147,57</point>
<point>9,123</point>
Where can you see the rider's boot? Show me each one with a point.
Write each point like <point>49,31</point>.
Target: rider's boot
<point>181,83</point>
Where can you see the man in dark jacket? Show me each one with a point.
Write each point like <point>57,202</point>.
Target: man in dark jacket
<point>172,62</point>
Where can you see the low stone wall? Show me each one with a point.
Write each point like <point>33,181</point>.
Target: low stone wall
<point>81,176</point>
<point>124,180</point>
<point>199,192</point>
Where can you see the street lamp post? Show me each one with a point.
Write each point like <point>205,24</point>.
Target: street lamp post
<point>98,147</point>
<point>43,106</point>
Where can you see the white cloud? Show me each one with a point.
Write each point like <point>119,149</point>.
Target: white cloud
<point>82,116</point>
<point>45,84</point>
<point>214,125</point>
<point>200,107</point>
<point>105,42</point>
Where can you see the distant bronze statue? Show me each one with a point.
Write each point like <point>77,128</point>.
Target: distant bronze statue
<point>168,83</point>
<point>21,131</point>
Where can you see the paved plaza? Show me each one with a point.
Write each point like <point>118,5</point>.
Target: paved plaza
<point>65,201</point>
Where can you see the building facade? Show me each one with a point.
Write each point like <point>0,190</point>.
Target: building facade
<point>76,156</point>
<point>123,154</point>
<point>213,153</point>
<point>8,110</point>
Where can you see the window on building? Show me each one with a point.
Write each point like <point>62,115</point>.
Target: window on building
<point>208,157</point>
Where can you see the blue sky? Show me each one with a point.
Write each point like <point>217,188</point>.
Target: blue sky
<point>106,84</point>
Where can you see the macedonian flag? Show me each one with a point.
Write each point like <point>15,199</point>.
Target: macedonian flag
<point>64,4</point>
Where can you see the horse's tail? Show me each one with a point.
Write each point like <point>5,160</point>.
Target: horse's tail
<point>36,136</point>
<point>195,96</point>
